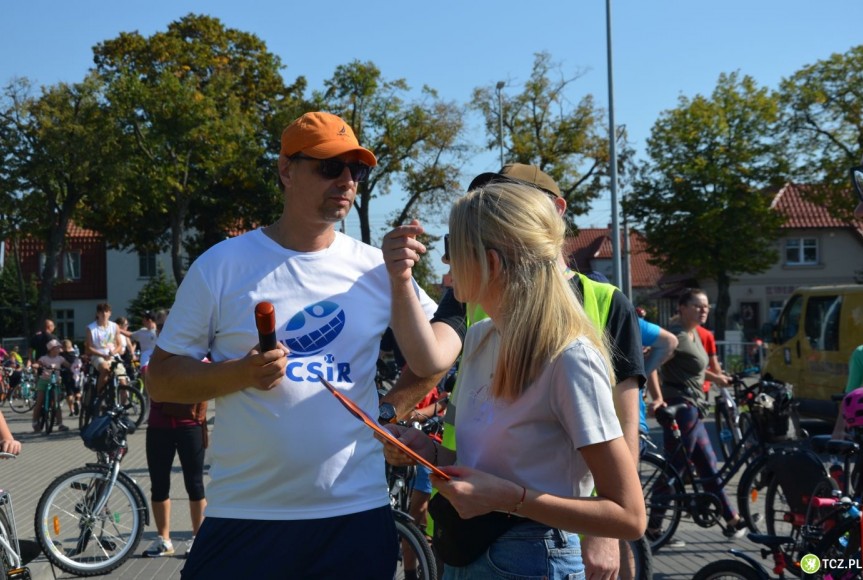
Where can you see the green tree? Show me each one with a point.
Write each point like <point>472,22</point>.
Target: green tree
<point>157,293</point>
<point>822,107</point>
<point>542,127</point>
<point>701,194</point>
<point>17,312</point>
<point>58,149</point>
<point>418,143</point>
<point>196,104</point>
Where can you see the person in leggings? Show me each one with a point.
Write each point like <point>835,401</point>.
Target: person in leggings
<point>682,380</point>
<point>175,429</point>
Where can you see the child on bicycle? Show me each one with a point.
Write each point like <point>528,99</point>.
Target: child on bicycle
<point>49,362</point>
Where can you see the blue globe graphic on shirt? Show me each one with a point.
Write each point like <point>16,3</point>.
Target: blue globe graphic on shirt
<point>310,330</point>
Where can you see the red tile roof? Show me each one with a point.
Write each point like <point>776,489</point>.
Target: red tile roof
<point>803,214</point>
<point>595,244</point>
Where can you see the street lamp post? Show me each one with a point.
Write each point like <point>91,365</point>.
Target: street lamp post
<point>499,87</point>
<point>612,146</point>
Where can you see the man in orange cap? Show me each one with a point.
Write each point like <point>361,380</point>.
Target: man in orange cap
<point>298,487</point>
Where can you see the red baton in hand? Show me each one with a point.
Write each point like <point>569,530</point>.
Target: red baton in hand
<point>265,320</point>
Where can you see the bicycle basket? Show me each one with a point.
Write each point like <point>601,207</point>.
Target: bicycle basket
<point>774,412</point>
<point>106,433</point>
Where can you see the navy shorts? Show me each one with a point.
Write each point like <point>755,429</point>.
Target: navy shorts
<point>362,546</point>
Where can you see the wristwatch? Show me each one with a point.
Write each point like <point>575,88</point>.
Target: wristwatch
<point>386,413</point>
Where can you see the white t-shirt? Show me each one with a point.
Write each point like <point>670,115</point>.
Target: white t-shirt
<point>146,340</point>
<point>103,338</point>
<point>534,440</point>
<point>293,452</point>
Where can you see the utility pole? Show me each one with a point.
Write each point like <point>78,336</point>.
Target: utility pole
<point>612,146</point>
<point>499,87</point>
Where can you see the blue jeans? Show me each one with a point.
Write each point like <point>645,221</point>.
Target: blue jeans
<point>527,551</point>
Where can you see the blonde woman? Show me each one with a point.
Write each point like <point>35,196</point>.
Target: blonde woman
<point>536,424</point>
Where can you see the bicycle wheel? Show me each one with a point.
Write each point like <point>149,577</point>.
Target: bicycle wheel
<point>413,546</point>
<point>636,560</point>
<point>821,516</point>
<point>727,569</point>
<point>80,541</point>
<point>7,529</point>
<point>726,431</point>
<point>751,492</point>
<point>89,403</point>
<point>779,518</point>
<point>53,409</point>
<point>22,398</point>
<point>663,496</point>
<point>841,546</point>
<point>133,403</point>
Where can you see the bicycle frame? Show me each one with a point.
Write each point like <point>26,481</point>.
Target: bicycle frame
<point>13,552</point>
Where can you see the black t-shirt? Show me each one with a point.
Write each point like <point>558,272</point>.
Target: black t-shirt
<point>40,342</point>
<point>627,356</point>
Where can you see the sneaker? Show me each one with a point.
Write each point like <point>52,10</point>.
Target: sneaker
<point>189,547</point>
<point>62,428</point>
<point>735,531</point>
<point>159,547</point>
<point>675,543</point>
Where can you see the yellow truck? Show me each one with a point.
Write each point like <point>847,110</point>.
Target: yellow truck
<point>812,342</point>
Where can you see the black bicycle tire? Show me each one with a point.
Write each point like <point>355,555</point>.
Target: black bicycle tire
<point>134,392</point>
<point>673,479</point>
<point>815,517</point>
<point>728,569</point>
<point>5,563</point>
<point>89,400</point>
<point>16,395</point>
<point>408,531</point>
<point>53,407</point>
<point>755,478</point>
<point>722,420</point>
<point>642,558</point>
<point>849,529</point>
<point>127,486</point>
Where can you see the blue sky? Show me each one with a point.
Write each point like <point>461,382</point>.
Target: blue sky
<point>662,49</point>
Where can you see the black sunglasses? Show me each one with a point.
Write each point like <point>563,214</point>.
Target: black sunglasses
<point>857,181</point>
<point>332,168</point>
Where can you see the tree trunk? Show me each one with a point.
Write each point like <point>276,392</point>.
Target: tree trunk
<point>177,220</point>
<point>363,214</point>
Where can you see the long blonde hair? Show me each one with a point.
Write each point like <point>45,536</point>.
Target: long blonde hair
<point>539,312</point>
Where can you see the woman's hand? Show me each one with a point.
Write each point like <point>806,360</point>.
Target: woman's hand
<point>10,446</point>
<point>418,441</point>
<point>474,493</point>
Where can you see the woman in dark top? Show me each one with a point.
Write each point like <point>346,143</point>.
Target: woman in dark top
<point>682,380</point>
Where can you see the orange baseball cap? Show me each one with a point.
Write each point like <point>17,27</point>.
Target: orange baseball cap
<point>322,136</point>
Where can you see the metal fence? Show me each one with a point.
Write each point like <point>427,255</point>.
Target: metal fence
<point>739,356</point>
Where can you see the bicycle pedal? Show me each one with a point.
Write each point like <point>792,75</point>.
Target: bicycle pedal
<point>18,574</point>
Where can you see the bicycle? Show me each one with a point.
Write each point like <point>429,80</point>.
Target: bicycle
<point>51,410</point>
<point>731,415</point>
<point>22,398</point>
<point>665,492</point>
<point>15,554</point>
<point>94,403</point>
<point>90,519</point>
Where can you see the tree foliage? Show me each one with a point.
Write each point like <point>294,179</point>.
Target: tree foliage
<point>822,108</point>
<point>158,293</point>
<point>418,142</point>
<point>195,104</point>
<point>17,301</point>
<point>58,151</point>
<point>542,127</point>
<point>701,195</point>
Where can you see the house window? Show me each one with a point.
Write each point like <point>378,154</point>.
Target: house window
<point>64,323</point>
<point>801,252</point>
<point>72,266</point>
<point>146,264</point>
